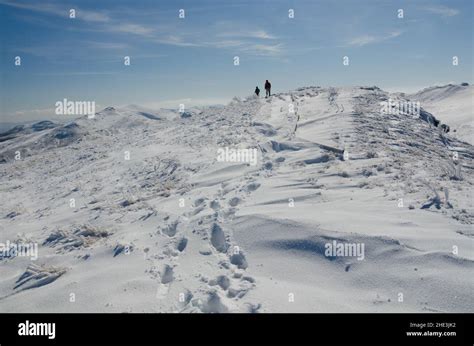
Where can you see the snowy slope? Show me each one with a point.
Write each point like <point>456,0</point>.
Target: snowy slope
<point>174,229</point>
<point>453,104</point>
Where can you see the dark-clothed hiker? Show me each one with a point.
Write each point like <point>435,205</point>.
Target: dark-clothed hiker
<point>257,90</point>
<point>268,87</point>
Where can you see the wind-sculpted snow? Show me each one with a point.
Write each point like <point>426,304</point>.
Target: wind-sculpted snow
<point>453,105</point>
<point>344,208</point>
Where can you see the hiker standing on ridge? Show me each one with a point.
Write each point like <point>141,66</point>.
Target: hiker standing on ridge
<point>268,86</point>
<point>257,90</point>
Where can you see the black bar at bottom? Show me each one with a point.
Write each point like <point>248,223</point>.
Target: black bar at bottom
<point>242,329</point>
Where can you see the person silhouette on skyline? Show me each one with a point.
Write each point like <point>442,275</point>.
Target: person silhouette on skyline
<point>268,88</point>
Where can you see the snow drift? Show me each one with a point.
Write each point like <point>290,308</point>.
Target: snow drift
<point>133,212</point>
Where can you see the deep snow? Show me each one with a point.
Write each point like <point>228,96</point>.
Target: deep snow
<point>159,224</point>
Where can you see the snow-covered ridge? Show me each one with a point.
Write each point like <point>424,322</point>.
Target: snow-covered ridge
<point>133,210</point>
<point>441,92</point>
<point>452,104</point>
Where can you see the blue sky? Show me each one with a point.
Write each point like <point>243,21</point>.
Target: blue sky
<point>190,60</point>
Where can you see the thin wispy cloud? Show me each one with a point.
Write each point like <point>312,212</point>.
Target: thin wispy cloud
<point>131,28</point>
<point>107,45</point>
<point>254,41</point>
<point>91,16</point>
<point>61,11</point>
<point>364,40</point>
<point>264,49</point>
<point>443,11</point>
<point>179,41</point>
<point>226,43</point>
<point>248,47</point>
<point>257,34</point>
<point>79,50</point>
<point>107,23</point>
<point>247,41</point>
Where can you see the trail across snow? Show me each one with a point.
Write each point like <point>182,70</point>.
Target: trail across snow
<point>158,224</point>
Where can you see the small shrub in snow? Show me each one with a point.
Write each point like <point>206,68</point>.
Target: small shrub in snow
<point>122,248</point>
<point>344,174</point>
<point>368,172</point>
<point>372,154</point>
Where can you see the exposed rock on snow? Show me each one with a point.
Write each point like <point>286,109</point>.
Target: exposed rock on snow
<point>37,276</point>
